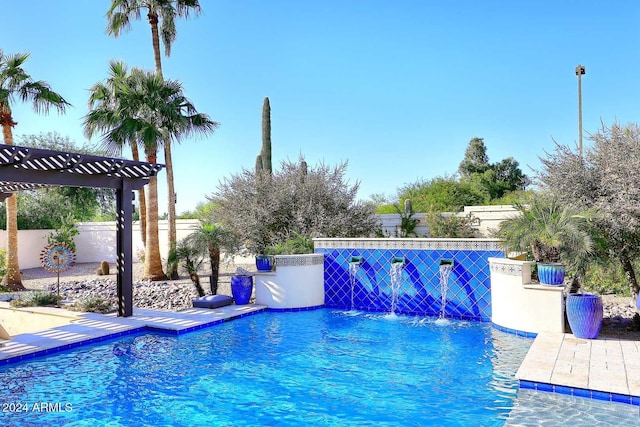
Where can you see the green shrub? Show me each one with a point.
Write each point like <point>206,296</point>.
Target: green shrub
<point>93,304</point>
<point>35,298</point>
<point>449,225</point>
<point>386,209</point>
<point>66,233</point>
<point>607,278</point>
<point>298,244</point>
<point>3,264</point>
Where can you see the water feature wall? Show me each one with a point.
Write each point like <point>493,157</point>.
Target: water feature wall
<point>419,290</point>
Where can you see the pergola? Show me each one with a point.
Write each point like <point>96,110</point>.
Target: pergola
<point>23,168</point>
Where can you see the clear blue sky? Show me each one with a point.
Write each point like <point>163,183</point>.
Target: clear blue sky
<point>397,88</point>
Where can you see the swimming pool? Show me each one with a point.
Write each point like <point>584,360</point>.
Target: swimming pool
<point>321,367</point>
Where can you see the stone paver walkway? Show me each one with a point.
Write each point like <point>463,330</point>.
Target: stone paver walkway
<point>606,369</point>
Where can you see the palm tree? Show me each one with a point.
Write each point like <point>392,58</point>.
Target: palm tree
<point>161,15</point>
<point>103,101</point>
<point>550,232</point>
<point>191,257</point>
<point>149,110</point>
<point>212,238</point>
<point>16,84</point>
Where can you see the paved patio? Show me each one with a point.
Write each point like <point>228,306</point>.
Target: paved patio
<point>93,327</point>
<point>606,369</point>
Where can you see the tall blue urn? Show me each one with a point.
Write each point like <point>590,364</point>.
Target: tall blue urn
<point>584,312</point>
<point>241,288</point>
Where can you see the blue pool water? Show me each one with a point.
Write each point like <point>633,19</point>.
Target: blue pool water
<point>323,367</point>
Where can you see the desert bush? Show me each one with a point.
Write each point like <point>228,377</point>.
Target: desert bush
<point>606,181</point>
<point>93,304</point>
<point>266,209</point>
<point>443,225</point>
<point>35,298</point>
<point>606,278</point>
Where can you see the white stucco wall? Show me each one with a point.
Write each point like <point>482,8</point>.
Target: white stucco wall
<point>96,241</point>
<point>296,282</point>
<point>487,218</point>
<point>518,304</point>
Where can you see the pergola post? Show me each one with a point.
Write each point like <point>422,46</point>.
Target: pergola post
<point>124,207</point>
<point>26,168</point>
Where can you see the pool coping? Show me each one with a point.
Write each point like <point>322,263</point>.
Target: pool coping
<point>602,369</point>
<point>93,327</point>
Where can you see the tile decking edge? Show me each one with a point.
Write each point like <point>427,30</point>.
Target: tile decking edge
<point>580,392</point>
<point>134,329</point>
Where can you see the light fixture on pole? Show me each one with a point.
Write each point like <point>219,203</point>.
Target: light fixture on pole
<point>580,71</point>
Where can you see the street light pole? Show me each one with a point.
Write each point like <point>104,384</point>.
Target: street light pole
<point>580,71</point>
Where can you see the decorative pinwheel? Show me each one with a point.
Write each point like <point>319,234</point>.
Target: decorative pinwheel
<point>57,257</point>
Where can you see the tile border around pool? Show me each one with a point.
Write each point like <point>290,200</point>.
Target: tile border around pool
<point>580,392</point>
<point>69,346</point>
<point>135,330</point>
<point>517,332</point>
<point>202,325</point>
<point>287,310</point>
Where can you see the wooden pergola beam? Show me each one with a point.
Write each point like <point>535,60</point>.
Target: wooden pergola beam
<point>24,168</point>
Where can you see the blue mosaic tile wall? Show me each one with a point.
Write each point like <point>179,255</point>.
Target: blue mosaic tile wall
<point>420,290</point>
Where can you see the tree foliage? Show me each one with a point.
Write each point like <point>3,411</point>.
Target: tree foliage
<point>444,194</point>
<point>17,85</point>
<point>607,181</point>
<point>479,182</point>
<point>318,203</point>
<point>449,225</point>
<point>494,179</point>
<point>475,159</point>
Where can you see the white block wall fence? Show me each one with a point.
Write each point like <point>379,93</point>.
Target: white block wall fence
<point>487,218</point>
<point>96,241</point>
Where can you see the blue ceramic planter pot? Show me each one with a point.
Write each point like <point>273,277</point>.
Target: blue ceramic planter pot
<point>584,312</point>
<point>551,274</point>
<point>264,262</point>
<point>241,289</point>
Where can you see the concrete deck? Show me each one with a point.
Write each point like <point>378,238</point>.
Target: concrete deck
<point>93,327</point>
<point>606,369</point>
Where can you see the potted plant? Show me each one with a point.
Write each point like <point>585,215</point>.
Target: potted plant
<point>549,233</point>
<point>295,245</point>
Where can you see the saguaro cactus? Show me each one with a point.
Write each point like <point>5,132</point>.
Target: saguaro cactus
<point>265,153</point>
<point>408,209</point>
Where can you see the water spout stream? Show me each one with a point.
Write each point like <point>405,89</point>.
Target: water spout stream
<point>396,280</point>
<point>354,267</point>
<point>445,272</point>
